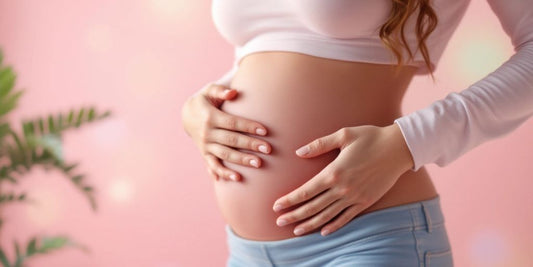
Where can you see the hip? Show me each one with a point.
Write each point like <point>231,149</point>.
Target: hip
<point>411,234</point>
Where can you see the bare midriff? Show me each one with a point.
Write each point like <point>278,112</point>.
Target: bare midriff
<point>299,98</point>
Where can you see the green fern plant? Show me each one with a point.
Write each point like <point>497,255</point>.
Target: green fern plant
<point>36,143</point>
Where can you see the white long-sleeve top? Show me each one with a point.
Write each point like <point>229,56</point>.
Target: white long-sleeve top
<point>348,30</point>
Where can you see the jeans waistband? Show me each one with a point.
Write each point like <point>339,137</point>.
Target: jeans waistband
<point>426,214</point>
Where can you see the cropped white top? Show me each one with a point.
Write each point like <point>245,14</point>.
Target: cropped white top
<point>349,30</point>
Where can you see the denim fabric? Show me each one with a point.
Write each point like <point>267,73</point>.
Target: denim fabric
<point>411,235</point>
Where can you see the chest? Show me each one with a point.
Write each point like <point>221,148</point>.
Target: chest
<point>240,20</point>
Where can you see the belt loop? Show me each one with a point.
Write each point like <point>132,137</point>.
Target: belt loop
<point>267,255</point>
<point>428,218</point>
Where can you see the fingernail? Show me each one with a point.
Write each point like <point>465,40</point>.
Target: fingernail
<point>277,207</point>
<point>263,149</point>
<point>254,163</point>
<point>281,222</point>
<point>233,177</point>
<point>325,232</point>
<point>226,92</point>
<point>298,231</point>
<point>260,131</point>
<point>302,151</point>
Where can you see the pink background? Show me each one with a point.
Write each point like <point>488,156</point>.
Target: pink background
<point>141,59</point>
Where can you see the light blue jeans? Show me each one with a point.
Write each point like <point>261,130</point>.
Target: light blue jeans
<point>411,235</point>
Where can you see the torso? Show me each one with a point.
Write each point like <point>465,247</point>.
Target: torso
<point>300,98</point>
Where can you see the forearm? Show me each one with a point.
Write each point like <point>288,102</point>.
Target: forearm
<point>490,108</point>
<point>403,154</point>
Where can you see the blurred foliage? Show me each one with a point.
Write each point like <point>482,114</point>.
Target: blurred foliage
<point>37,142</point>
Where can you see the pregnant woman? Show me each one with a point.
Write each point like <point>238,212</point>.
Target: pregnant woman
<point>313,162</point>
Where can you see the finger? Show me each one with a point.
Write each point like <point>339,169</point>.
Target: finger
<point>323,217</point>
<point>212,173</point>
<point>227,121</point>
<point>237,140</point>
<point>308,209</point>
<point>232,155</point>
<point>322,145</point>
<point>308,190</point>
<point>220,92</point>
<point>220,169</point>
<point>343,219</point>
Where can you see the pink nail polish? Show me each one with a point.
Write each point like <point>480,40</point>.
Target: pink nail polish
<point>263,149</point>
<point>254,163</point>
<point>302,151</point>
<point>277,207</point>
<point>298,231</point>
<point>260,131</point>
<point>281,222</point>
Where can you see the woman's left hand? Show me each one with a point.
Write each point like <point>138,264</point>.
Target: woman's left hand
<point>370,161</point>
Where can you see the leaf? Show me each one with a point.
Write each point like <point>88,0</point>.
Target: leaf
<point>27,128</point>
<point>14,156</point>
<point>77,179</point>
<point>90,116</point>
<point>68,168</point>
<point>7,81</point>
<point>51,124</point>
<point>23,149</point>
<point>3,259</point>
<point>37,246</point>
<point>60,124</point>
<point>106,114</point>
<point>80,117</point>
<point>56,124</point>
<point>9,178</point>
<point>9,102</point>
<point>12,197</point>
<point>4,129</point>
<point>88,188</point>
<point>51,243</point>
<point>19,257</point>
<point>70,116</point>
<point>4,175</point>
<point>17,250</point>
<point>41,125</point>
<point>32,247</point>
<point>51,143</point>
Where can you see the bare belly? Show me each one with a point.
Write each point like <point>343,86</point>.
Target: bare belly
<point>300,98</point>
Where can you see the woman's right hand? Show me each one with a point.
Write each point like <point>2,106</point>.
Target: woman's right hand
<point>216,133</point>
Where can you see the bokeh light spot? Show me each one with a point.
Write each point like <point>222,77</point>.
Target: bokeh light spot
<point>488,247</point>
<point>109,133</point>
<point>478,56</point>
<point>146,75</point>
<point>44,209</point>
<point>172,10</point>
<point>99,38</point>
<point>121,190</point>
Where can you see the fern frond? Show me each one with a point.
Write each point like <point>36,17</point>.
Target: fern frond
<point>37,246</point>
<point>55,124</point>
<point>12,197</point>
<point>79,181</point>
<point>8,99</point>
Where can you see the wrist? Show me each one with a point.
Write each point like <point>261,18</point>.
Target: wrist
<point>400,146</point>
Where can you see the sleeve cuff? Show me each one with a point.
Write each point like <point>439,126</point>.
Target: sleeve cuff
<point>416,165</point>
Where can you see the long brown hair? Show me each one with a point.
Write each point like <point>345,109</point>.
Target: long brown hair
<point>425,24</point>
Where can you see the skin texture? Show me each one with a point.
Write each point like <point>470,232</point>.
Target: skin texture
<point>358,160</point>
